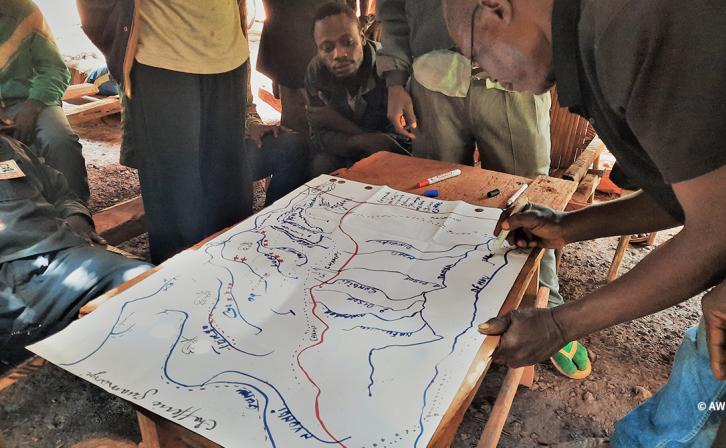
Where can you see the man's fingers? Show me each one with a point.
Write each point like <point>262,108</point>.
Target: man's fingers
<point>495,327</point>
<point>255,136</point>
<point>98,239</point>
<point>399,127</point>
<point>410,116</point>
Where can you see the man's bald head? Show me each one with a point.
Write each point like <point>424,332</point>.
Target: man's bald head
<point>509,39</point>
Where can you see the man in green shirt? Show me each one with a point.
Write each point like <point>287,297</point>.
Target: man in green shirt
<point>33,78</point>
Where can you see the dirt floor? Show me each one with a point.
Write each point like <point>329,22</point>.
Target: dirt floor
<point>51,408</point>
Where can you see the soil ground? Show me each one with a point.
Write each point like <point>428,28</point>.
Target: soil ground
<point>51,408</point>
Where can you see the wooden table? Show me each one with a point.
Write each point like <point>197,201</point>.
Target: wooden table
<point>403,173</point>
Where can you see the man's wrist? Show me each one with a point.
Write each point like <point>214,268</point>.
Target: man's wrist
<point>571,227</point>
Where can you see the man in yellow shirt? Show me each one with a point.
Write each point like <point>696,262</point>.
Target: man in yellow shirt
<point>182,66</point>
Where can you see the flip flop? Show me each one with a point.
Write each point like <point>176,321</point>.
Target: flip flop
<point>639,238</point>
<point>573,361</point>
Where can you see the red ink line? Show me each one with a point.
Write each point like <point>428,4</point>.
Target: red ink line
<point>322,334</point>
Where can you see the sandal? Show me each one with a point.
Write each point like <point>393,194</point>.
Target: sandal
<point>572,361</point>
<point>639,238</point>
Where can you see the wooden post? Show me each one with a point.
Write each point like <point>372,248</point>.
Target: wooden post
<point>498,417</point>
<point>651,238</point>
<point>515,377</point>
<point>618,258</point>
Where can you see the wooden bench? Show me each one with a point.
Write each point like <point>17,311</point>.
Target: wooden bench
<point>81,106</point>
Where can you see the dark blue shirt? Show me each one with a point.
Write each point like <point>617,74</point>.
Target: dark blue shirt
<point>650,77</point>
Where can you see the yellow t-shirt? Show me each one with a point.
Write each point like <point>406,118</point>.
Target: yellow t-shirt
<point>191,36</point>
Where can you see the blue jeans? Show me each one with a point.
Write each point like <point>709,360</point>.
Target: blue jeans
<point>41,295</point>
<point>673,416</point>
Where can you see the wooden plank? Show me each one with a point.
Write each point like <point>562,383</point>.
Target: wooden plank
<point>403,172</point>
<point>79,90</point>
<point>586,189</point>
<point>91,111</point>
<point>552,192</point>
<point>121,222</point>
<point>21,371</point>
<point>579,168</point>
<point>270,99</point>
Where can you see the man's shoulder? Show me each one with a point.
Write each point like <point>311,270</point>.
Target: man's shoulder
<point>19,9</point>
<point>620,19</point>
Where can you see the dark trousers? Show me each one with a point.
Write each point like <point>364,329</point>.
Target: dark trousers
<point>42,294</point>
<point>284,158</point>
<point>187,132</point>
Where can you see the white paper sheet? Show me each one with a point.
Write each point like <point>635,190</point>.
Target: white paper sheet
<point>342,315</point>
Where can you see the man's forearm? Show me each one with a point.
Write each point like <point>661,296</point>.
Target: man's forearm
<point>339,123</point>
<point>636,213</point>
<point>656,283</point>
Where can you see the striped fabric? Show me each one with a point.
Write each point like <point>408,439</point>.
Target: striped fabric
<point>30,65</point>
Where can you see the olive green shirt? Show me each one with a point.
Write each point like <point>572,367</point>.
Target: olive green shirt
<point>33,207</point>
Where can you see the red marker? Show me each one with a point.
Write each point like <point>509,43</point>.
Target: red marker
<point>439,178</point>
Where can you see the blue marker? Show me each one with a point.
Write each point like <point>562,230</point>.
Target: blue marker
<point>431,193</point>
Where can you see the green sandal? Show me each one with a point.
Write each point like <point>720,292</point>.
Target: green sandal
<point>573,361</point>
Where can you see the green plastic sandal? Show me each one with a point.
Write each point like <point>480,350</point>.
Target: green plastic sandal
<point>573,361</point>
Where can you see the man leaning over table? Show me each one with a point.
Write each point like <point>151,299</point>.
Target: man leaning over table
<point>613,62</point>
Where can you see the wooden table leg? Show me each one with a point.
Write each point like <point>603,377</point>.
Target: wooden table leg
<point>651,238</point>
<point>515,377</point>
<point>500,411</point>
<point>618,258</point>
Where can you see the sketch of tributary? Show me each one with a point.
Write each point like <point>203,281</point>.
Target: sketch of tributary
<point>342,315</point>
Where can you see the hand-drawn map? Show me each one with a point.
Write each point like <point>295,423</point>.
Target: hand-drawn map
<point>344,315</point>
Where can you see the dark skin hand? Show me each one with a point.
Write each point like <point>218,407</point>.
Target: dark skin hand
<point>81,225</point>
<point>667,276</point>
<point>400,111</point>
<point>325,117</point>
<point>25,120</point>
<point>714,313</point>
<point>257,132</point>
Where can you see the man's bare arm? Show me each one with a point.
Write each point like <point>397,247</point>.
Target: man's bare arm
<point>686,265</point>
<point>689,263</point>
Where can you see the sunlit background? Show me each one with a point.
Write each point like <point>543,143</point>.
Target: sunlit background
<point>63,20</point>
